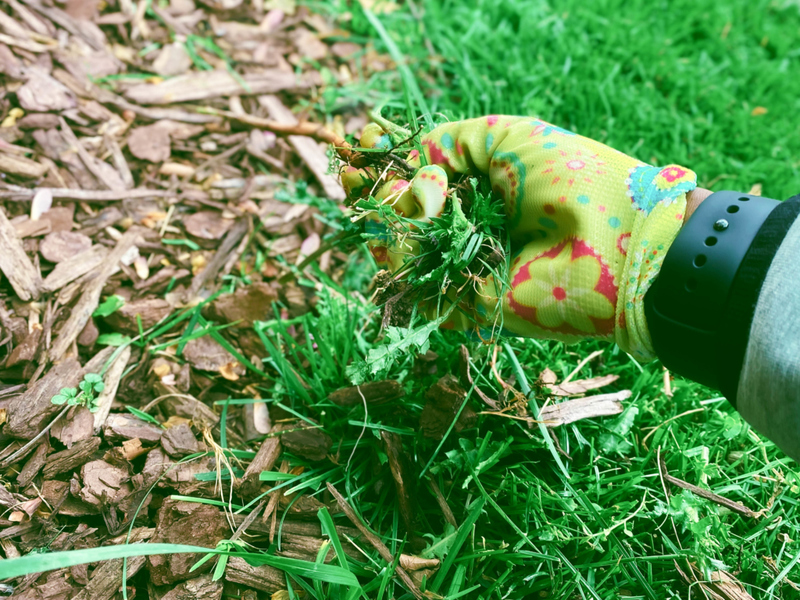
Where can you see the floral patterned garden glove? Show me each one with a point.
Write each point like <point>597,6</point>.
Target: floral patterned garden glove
<point>589,226</point>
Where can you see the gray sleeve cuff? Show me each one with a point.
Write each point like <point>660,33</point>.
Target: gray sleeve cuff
<point>768,395</point>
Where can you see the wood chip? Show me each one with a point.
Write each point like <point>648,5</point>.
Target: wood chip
<point>104,482</point>
<point>31,411</point>
<point>90,299</point>
<point>581,386</point>
<point>603,405</point>
<point>151,143</point>
<point>120,426</point>
<point>58,246</point>
<point>21,166</point>
<point>266,457</point>
<point>71,269</point>
<point>373,393</point>
<point>212,84</point>
<point>15,264</point>
<point>42,93</point>
<point>72,458</point>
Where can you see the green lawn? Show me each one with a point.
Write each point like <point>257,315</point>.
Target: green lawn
<point>666,82</point>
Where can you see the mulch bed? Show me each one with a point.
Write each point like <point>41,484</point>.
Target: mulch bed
<point>134,189</point>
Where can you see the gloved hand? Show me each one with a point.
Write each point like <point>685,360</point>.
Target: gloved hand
<point>589,226</point>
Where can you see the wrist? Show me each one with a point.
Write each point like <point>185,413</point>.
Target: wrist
<point>693,200</point>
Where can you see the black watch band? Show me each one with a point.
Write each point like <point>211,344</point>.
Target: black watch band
<point>687,307</point>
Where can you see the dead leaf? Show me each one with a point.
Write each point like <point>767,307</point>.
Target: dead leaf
<point>132,449</point>
<point>758,111</point>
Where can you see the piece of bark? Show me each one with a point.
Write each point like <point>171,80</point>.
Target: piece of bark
<point>76,425</point>
<point>206,354</point>
<point>226,252</point>
<point>56,494</point>
<point>212,84</point>
<point>149,310</point>
<point>172,60</point>
<point>199,588</point>
<point>26,351</point>
<point>120,427</point>
<point>570,411</point>
<point>57,585</point>
<point>21,166</point>
<point>34,464</point>
<point>264,460</point>
<point>88,335</point>
<point>403,481</point>
<point>38,121</point>
<point>104,482</point>
<point>184,523</point>
<point>309,149</point>
<point>42,93</point>
<point>102,171</point>
<point>29,412</point>
<point>444,400</point>
<point>90,299</point>
<point>15,264</point>
<point>373,393</point>
<point>10,65</point>
<point>66,460</point>
<point>311,443</point>
<point>186,406</point>
<point>207,225</point>
<point>106,578</point>
<point>264,578</point>
<point>29,228</point>
<point>179,441</point>
<point>75,267</point>
<point>59,246</point>
<point>151,143</point>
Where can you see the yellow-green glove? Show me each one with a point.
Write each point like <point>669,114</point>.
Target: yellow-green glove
<point>589,226</point>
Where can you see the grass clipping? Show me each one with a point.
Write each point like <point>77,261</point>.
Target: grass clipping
<point>449,258</point>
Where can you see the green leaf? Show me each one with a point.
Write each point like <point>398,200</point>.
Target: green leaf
<point>113,339</point>
<point>615,441</point>
<point>39,563</point>
<point>143,415</point>
<point>110,305</point>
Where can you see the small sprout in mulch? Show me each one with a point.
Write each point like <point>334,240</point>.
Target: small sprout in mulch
<point>84,394</point>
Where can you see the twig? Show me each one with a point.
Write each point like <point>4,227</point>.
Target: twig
<point>21,452</point>
<point>581,364</point>
<point>312,130</point>
<point>448,514</point>
<point>375,541</point>
<point>711,496</point>
<point>683,414</point>
<point>16,193</point>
